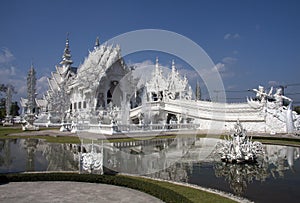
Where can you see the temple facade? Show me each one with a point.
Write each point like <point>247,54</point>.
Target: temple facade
<point>104,95</point>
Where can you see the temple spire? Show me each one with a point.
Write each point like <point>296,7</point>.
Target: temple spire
<point>31,89</point>
<point>198,91</point>
<point>31,66</point>
<point>97,43</point>
<point>66,57</point>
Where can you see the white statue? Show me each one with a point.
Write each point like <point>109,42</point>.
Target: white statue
<point>279,97</point>
<point>92,161</point>
<point>261,94</point>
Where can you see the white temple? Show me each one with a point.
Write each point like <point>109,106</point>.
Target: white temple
<point>103,95</point>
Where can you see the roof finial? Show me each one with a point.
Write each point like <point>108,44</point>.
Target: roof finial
<point>67,39</point>
<point>173,66</point>
<point>67,53</point>
<point>31,65</point>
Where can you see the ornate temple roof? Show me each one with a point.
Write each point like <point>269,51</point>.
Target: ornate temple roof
<point>171,84</point>
<point>53,84</point>
<point>23,102</point>
<point>96,64</point>
<point>158,82</point>
<point>41,102</point>
<point>175,82</point>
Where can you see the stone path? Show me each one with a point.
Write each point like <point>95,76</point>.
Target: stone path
<point>71,192</point>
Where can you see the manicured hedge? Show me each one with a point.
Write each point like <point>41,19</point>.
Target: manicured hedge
<point>144,185</point>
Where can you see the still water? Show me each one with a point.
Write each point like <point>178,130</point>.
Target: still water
<point>276,176</point>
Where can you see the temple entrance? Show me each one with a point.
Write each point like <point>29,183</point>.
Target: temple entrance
<point>110,91</point>
<point>171,118</point>
<point>100,100</point>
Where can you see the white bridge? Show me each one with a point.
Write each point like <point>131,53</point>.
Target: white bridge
<point>156,116</point>
<point>203,113</point>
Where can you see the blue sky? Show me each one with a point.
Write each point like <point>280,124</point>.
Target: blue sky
<point>253,42</point>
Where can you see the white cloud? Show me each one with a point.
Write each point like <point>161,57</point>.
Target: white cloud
<point>144,63</point>
<point>19,86</point>
<point>235,52</point>
<point>42,85</point>
<point>223,69</point>
<point>6,56</point>
<point>231,36</point>
<point>219,67</point>
<point>12,70</point>
<point>236,36</point>
<point>273,83</point>
<point>7,71</point>
<point>229,60</point>
<point>227,36</point>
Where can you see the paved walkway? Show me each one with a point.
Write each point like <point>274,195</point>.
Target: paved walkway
<point>71,192</point>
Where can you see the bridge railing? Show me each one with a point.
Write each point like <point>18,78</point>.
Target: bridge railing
<point>135,128</point>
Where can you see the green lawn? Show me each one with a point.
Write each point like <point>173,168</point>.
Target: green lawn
<point>4,131</point>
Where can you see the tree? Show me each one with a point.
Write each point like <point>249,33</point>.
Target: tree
<point>14,110</point>
<point>2,101</point>
<point>297,109</point>
<point>2,108</point>
<point>6,92</point>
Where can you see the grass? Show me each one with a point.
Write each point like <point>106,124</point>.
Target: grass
<point>278,140</point>
<point>165,191</point>
<point>5,131</point>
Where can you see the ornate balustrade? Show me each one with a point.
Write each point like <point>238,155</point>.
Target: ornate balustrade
<point>115,129</point>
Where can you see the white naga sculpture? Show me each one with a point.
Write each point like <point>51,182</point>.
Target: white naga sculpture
<point>277,115</point>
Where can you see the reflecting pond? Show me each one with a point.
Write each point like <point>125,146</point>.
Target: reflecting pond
<point>274,178</point>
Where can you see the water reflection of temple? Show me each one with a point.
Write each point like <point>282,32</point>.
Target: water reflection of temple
<point>151,156</point>
<point>18,155</point>
<point>175,159</point>
<point>276,160</point>
<point>281,158</point>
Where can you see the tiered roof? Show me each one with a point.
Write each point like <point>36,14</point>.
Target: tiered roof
<point>96,65</point>
<point>171,84</point>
